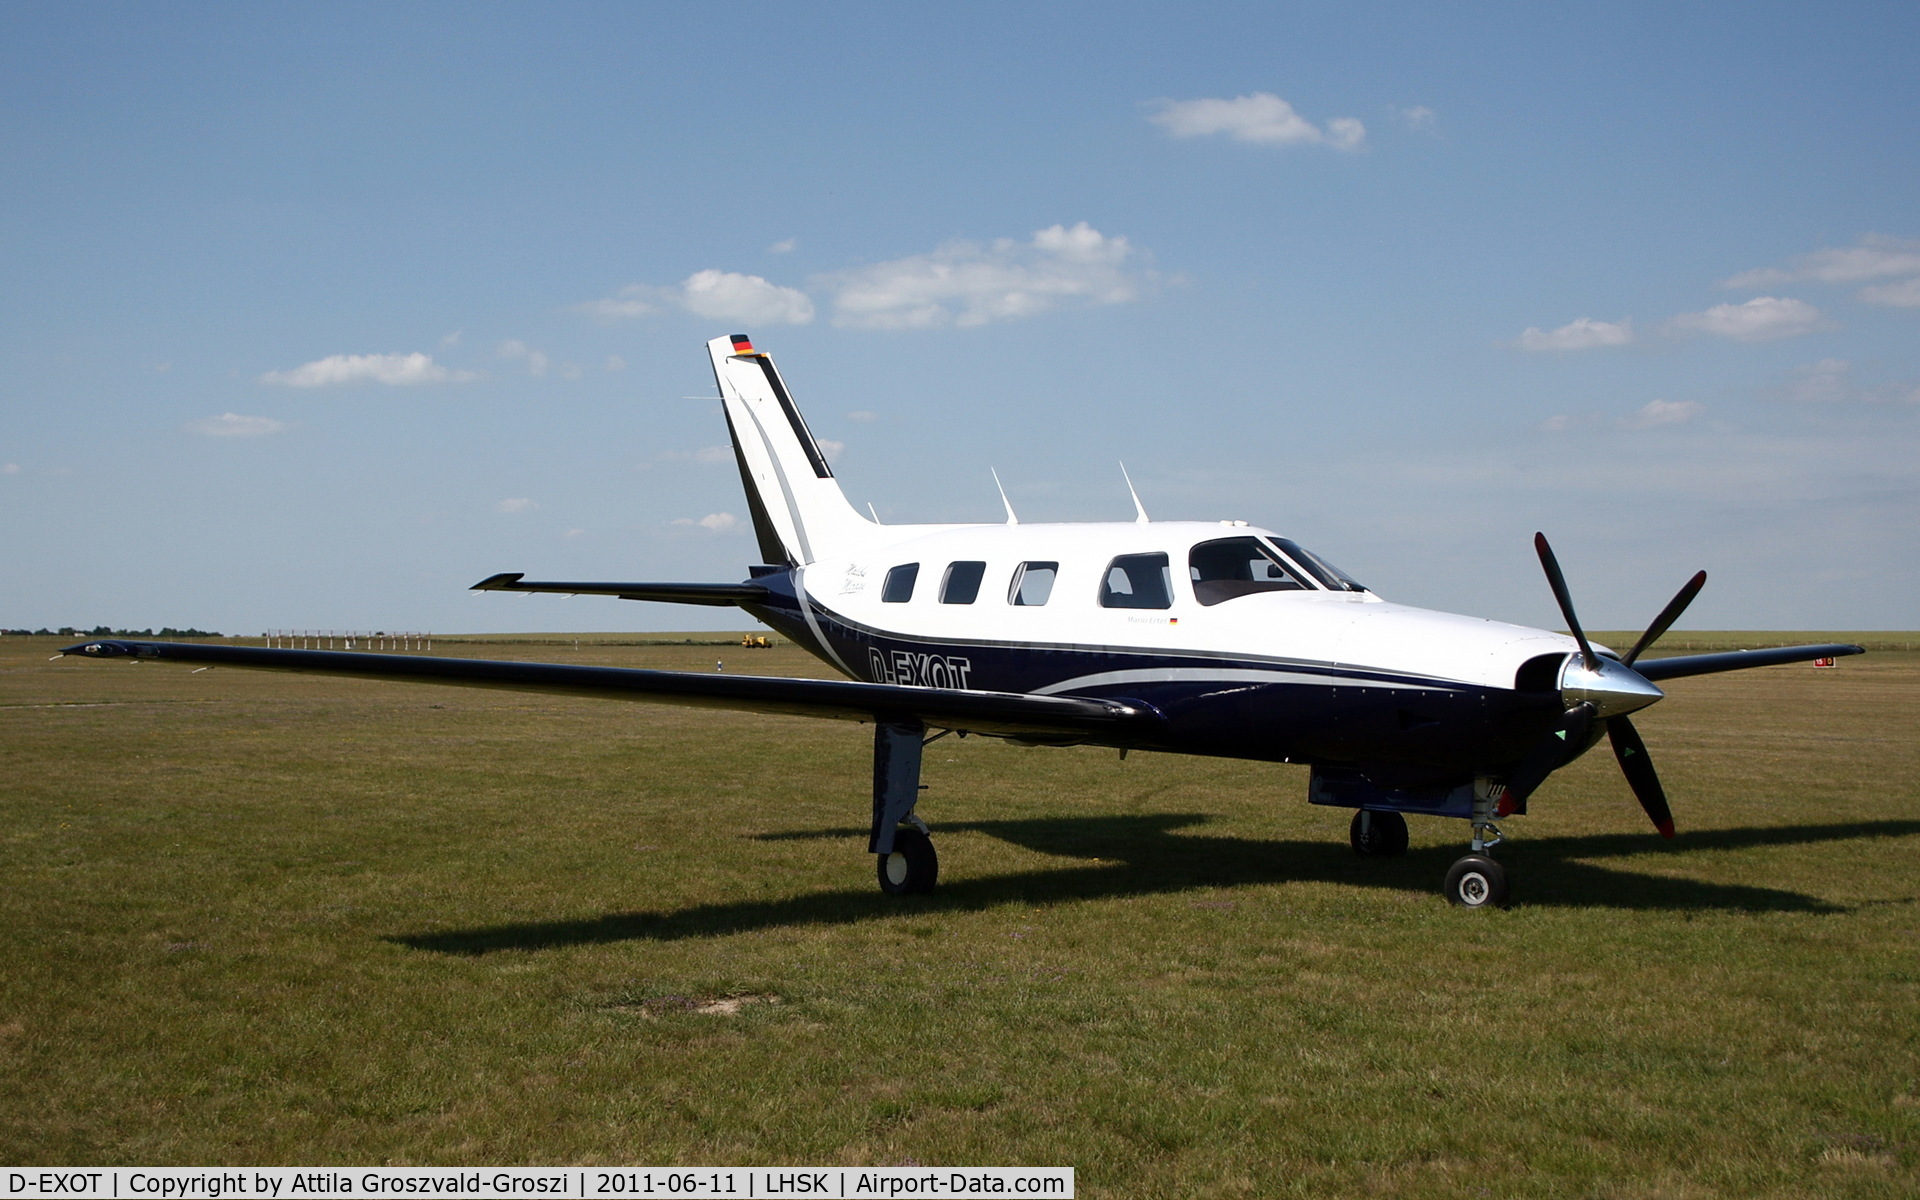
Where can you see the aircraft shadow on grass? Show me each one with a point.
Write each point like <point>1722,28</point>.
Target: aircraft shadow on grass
<point>1144,855</point>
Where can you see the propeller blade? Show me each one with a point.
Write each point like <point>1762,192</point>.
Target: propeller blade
<point>1549,754</point>
<point>1668,616</point>
<point>1638,768</point>
<point>1558,583</point>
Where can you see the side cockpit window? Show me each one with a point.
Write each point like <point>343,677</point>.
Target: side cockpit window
<point>1231,567</point>
<point>962,584</point>
<point>899,586</point>
<point>1032,583</point>
<point>1137,581</point>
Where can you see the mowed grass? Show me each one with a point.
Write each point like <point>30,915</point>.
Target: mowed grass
<point>264,919</point>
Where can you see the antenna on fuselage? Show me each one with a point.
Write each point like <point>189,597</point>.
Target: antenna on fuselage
<point>1011,519</point>
<point>1138,507</point>
<point>875,512</point>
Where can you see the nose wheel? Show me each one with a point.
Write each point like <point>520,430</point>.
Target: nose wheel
<point>1477,881</point>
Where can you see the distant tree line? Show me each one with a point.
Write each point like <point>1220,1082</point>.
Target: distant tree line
<point>103,631</point>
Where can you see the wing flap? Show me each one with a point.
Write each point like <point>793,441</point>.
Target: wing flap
<point>999,713</point>
<point>716,594</point>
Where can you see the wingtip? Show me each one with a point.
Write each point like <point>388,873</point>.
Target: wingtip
<point>494,583</point>
<point>1665,828</point>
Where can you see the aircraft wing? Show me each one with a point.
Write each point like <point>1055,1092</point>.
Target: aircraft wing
<point>1000,713</point>
<point>1683,665</point>
<point>719,594</point>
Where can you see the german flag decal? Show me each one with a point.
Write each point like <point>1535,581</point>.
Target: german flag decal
<point>742,344</point>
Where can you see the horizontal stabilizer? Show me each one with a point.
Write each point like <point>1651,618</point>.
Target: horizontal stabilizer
<point>720,594</point>
<point>1012,714</point>
<point>1683,665</point>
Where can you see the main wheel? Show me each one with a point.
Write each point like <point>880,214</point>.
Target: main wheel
<point>1378,834</point>
<point>912,867</point>
<point>1477,881</point>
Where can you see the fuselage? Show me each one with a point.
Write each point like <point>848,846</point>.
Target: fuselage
<point>1246,643</point>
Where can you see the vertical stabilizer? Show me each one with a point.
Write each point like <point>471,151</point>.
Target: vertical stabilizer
<point>799,513</point>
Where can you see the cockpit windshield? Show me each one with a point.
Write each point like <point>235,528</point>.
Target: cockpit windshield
<point>1333,577</point>
<point>1230,567</point>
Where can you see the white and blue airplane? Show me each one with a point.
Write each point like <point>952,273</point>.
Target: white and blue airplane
<point>1188,637</point>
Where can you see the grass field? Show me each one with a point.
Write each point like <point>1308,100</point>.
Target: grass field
<point>265,919</point>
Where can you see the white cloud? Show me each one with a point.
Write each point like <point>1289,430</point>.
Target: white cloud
<point>1830,381</point>
<point>1904,294</point>
<point>719,522</point>
<point>966,284</point>
<point>716,295</point>
<point>451,340</point>
<point>1557,424</point>
<point>629,302</point>
<point>784,246</point>
<point>830,449</point>
<point>235,425</point>
<point>1762,319</point>
<point>1262,118</point>
<point>399,370</point>
<point>519,351</point>
<point>9,468</point>
<point>1582,334</point>
<point>517,505</point>
<point>574,533</point>
<point>1664,412</point>
<point>1876,257</point>
<point>862,415</point>
<point>616,363</point>
<point>570,371</point>
<point>1417,117</point>
<point>729,296</point>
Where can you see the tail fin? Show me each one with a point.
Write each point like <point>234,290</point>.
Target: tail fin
<point>799,512</point>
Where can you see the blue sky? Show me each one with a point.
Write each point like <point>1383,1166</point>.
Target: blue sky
<point>318,314</point>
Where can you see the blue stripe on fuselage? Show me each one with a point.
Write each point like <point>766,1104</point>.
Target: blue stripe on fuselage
<point>1231,705</point>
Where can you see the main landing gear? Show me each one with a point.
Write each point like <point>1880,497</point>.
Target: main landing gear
<point>912,866</point>
<point>904,859</point>
<point>1378,834</point>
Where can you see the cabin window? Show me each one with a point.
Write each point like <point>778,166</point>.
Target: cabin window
<point>899,586</point>
<point>962,584</point>
<point>1138,581</point>
<point>1233,567</point>
<point>1032,583</point>
<point>1333,577</point>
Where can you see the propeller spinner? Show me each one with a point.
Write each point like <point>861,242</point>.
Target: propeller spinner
<point>1603,690</point>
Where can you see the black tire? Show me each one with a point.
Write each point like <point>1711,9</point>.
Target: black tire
<point>1477,881</point>
<point>912,868</point>
<point>1385,834</point>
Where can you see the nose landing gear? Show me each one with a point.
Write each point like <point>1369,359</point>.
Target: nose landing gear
<point>1476,881</point>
